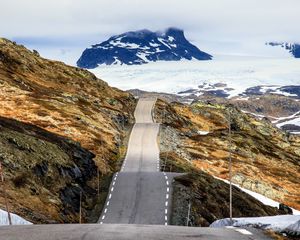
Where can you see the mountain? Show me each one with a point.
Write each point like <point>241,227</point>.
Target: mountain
<point>59,125</point>
<point>141,47</point>
<point>293,48</point>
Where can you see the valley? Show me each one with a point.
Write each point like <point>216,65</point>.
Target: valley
<point>64,133</point>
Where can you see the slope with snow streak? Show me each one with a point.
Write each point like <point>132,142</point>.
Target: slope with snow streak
<point>265,200</point>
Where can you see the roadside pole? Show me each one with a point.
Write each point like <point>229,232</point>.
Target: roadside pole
<point>98,187</point>
<point>188,216</point>
<point>80,198</point>
<point>230,166</point>
<point>165,164</point>
<point>5,196</point>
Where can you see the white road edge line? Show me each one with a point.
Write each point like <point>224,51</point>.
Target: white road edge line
<point>243,231</point>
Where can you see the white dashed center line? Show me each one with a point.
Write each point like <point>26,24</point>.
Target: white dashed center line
<point>109,197</point>
<point>167,198</point>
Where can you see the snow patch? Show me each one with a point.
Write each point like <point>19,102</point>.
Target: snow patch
<point>142,56</point>
<point>16,220</point>
<point>280,223</point>
<point>202,132</point>
<point>295,121</point>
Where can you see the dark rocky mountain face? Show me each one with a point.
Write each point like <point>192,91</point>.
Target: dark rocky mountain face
<point>293,48</point>
<point>141,47</point>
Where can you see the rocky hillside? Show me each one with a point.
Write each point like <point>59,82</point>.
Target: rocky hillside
<point>265,159</point>
<point>65,101</point>
<point>45,173</point>
<point>140,47</point>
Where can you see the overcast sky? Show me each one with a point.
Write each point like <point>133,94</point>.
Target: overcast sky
<point>61,29</point>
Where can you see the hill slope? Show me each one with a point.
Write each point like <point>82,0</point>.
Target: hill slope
<point>265,159</point>
<point>65,101</point>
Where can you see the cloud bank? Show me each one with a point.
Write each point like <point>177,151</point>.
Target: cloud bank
<point>63,25</point>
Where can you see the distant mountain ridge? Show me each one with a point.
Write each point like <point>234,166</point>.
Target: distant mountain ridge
<point>140,47</point>
<point>293,48</point>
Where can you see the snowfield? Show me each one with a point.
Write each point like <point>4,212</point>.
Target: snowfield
<point>237,72</point>
<point>16,220</point>
<point>283,223</point>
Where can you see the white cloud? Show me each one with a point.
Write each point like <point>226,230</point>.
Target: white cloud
<point>83,22</point>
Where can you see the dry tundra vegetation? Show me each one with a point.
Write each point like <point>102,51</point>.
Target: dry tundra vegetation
<point>59,125</point>
<point>265,159</point>
<point>70,104</point>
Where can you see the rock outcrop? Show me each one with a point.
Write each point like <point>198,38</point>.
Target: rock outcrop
<point>40,168</point>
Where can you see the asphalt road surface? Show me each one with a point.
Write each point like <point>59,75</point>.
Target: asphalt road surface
<point>122,232</point>
<point>140,193</point>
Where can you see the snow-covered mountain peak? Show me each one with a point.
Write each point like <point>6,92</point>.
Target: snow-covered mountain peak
<point>293,48</point>
<point>140,47</point>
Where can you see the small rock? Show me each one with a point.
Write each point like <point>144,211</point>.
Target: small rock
<point>286,209</point>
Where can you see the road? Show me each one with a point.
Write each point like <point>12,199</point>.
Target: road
<point>121,232</point>
<point>138,205</point>
<point>140,193</point>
